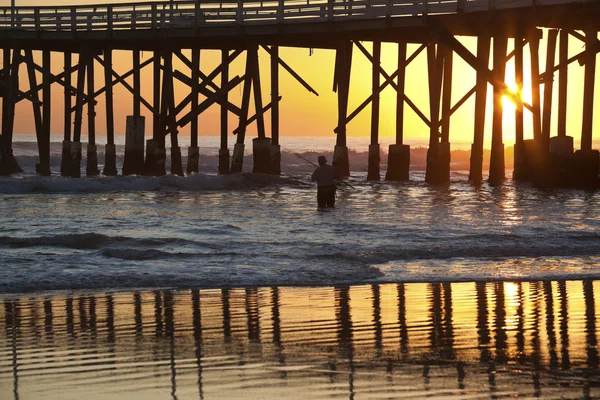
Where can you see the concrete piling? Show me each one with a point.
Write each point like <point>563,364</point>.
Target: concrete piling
<point>398,162</point>
<point>110,160</point>
<point>75,162</point>
<point>237,161</point>
<point>341,163</point>
<point>176,164</point>
<point>92,161</point>
<point>193,159</point>
<point>65,163</point>
<point>373,167</point>
<point>223,161</point>
<point>261,155</point>
<point>133,164</point>
<point>275,159</point>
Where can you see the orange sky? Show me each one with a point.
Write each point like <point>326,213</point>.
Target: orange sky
<point>304,114</point>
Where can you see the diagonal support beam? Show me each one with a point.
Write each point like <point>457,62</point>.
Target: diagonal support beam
<point>206,81</point>
<point>394,84</point>
<point>188,64</point>
<point>580,58</point>
<point>368,100</point>
<point>53,79</point>
<point>209,101</point>
<point>512,53</point>
<point>202,89</point>
<point>253,118</point>
<point>480,67</point>
<point>125,84</point>
<point>117,80</point>
<point>291,71</point>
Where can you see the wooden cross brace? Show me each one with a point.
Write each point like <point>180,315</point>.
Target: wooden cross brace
<point>216,97</point>
<point>481,67</point>
<point>202,89</point>
<point>291,71</point>
<point>188,64</point>
<point>580,57</point>
<point>28,95</point>
<point>121,80</point>
<point>205,82</point>
<point>255,116</point>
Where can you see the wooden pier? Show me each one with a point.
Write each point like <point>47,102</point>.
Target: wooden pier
<point>86,37</point>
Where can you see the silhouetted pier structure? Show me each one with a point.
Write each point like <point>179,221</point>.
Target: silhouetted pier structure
<point>167,29</point>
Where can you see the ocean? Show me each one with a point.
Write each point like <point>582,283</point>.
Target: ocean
<point>236,286</point>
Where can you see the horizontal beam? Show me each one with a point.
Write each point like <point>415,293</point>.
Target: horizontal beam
<point>291,71</point>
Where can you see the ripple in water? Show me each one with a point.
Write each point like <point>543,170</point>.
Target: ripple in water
<point>451,340</point>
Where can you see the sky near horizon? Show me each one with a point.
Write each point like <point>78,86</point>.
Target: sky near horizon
<point>304,114</point>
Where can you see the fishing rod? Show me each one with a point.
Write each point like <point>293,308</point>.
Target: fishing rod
<point>312,163</point>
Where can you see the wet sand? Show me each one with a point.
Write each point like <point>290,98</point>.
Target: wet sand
<point>450,340</point>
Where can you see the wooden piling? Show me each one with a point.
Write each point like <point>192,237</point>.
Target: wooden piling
<point>92,155</point>
<point>65,163</point>
<point>261,146</point>
<point>476,164</point>
<point>154,164</point>
<point>586,159</point>
<point>497,171</point>
<point>136,84</point>
<point>343,67</point>
<point>110,152</point>
<point>548,87</point>
<point>176,163</point>
<point>560,146</point>
<point>435,70</point>
<point>520,158</point>
<point>237,160</point>
<point>133,160</point>
<point>563,55</point>
<point>8,163</point>
<point>75,163</point>
<point>400,93</point>
<point>36,104</point>
<point>275,151</point>
<point>534,46</point>
<point>223,149</point>
<point>399,154</point>
<point>43,168</point>
<point>444,150</point>
<point>373,163</point>
<point>588,90</point>
<point>193,151</point>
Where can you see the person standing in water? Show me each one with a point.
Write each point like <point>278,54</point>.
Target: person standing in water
<point>324,175</point>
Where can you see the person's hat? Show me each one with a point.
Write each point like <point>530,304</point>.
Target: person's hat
<point>322,160</point>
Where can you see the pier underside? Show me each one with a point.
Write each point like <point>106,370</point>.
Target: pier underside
<point>545,160</point>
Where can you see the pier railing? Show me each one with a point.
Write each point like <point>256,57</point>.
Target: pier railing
<point>203,13</point>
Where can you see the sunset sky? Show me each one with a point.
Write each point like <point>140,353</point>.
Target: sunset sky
<point>304,114</point>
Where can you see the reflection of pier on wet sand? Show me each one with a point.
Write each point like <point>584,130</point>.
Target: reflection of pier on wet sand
<point>452,339</point>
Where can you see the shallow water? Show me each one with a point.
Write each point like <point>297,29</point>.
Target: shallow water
<point>253,230</point>
<point>459,340</point>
